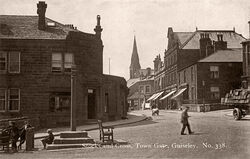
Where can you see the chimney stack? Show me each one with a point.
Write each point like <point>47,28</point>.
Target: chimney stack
<point>98,28</point>
<point>41,9</point>
<point>148,71</point>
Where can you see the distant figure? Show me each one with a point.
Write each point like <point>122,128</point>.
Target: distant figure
<point>184,121</point>
<point>23,133</point>
<point>155,110</point>
<point>153,106</point>
<point>49,139</point>
<point>14,135</point>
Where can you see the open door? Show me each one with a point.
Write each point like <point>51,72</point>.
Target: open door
<point>91,103</point>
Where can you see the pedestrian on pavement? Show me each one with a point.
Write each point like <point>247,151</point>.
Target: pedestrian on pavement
<point>49,139</point>
<point>184,121</point>
<point>14,135</point>
<point>23,133</point>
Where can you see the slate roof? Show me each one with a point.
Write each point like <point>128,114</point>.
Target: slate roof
<point>232,38</point>
<point>132,81</point>
<point>26,27</point>
<point>136,95</point>
<point>230,55</point>
<point>182,37</point>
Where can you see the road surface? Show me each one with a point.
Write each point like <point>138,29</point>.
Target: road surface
<point>216,136</point>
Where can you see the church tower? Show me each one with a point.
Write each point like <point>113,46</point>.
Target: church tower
<point>135,63</point>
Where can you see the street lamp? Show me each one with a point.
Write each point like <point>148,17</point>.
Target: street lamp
<point>73,99</point>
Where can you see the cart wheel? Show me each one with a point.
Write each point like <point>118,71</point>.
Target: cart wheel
<point>237,114</point>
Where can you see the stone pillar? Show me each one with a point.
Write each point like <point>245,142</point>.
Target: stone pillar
<point>73,99</point>
<point>30,139</point>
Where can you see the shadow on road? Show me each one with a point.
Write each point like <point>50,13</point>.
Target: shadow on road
<point>145,122</point>
<point>244,119</point>
<point>198,133</point>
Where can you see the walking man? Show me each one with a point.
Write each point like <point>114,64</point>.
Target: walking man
<point>184,121</point>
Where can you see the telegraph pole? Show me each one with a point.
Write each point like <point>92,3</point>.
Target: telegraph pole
<point>73,99</point>
<point>109,66</point>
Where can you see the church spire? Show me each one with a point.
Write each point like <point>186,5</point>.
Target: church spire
<point>135,63</point>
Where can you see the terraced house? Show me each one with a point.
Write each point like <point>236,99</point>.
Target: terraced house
<point>36,59</point>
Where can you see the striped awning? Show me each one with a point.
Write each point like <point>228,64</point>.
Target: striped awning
<point>178,93</point>
<point>167,95</point>
<point>158,95</point>
<point>150,98</point>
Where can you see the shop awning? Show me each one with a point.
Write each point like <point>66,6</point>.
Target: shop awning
<point>158,95</point>
<point>150,98</point>
<point>167,95</point>
<point>178,93</point>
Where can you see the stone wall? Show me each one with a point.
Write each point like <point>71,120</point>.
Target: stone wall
<point>36,81</point>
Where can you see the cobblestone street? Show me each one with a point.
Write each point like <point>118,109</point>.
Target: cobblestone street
<point>216,136</point>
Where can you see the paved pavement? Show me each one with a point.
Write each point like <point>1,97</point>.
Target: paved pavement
<point>132,118</point>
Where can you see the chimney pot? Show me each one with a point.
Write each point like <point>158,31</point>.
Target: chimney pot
<point>202,35</point>
<point>41,9</point>
<point>220,37</point>
<point>206,35</point>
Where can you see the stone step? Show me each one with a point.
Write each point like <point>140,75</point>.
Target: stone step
<point>67,146</point>
<point>74,134</point>
<point>73,140</point>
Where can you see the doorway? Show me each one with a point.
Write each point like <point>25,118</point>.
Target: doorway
<point>91,103</point>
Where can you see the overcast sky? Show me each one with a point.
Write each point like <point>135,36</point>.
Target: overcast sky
<point>147,19</point>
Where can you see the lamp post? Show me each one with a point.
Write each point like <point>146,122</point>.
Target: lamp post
<point>73,99</point>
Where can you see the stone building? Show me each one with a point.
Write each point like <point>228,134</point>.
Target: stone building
<point>140,83</point>
<point>36,59</point>
<point>139,91</point>
<point>208,80</point>
<point>246,62</point>
<point>183,62</point>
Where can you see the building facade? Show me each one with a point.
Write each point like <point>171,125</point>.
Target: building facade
<point>180,71</point>
<point>139,92</point>
<point>246,62</point>
<point>208,80</point>
<point>141,82</point>
<point>36,59</point>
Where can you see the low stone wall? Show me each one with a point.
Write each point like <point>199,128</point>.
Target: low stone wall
<point>20,122</point>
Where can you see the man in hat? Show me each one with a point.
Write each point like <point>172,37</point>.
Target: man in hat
<point>14,135</point>
<point>49,139</point>
<point>23,133</point>
<point>184,121</point>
